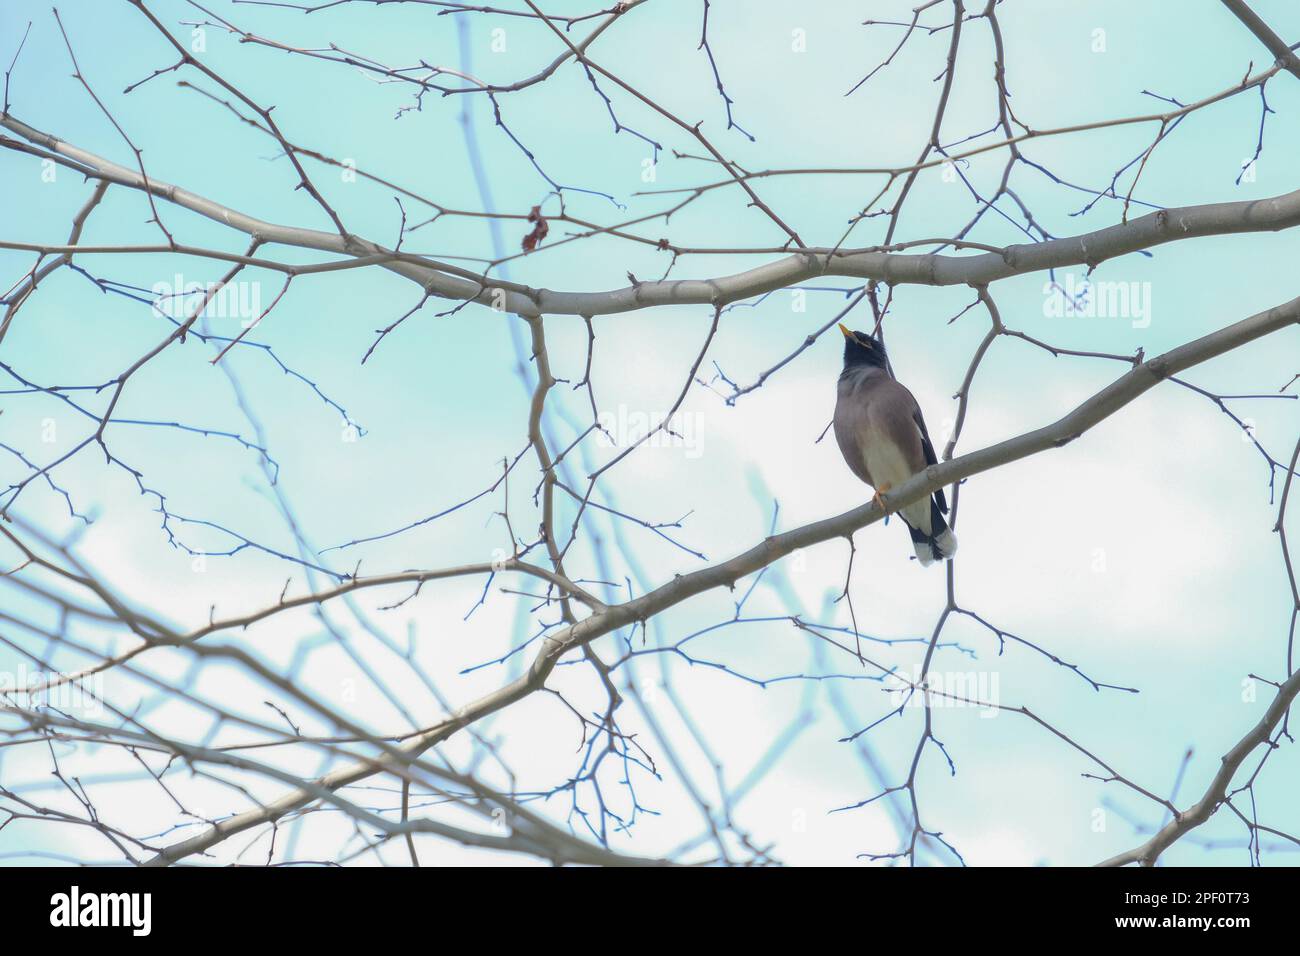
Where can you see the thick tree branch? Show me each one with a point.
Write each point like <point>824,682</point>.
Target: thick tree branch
<point>1092,248</point>
<point>1286,57</point>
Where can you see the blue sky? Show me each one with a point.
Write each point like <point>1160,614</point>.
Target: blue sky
<point>1142,552</point>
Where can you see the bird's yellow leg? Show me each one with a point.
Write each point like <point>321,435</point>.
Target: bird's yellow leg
<point>882,490</point>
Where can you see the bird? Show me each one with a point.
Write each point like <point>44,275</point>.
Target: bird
<point>884,441</point>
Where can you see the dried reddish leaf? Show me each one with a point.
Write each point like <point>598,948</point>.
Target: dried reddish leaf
<point>540,229</point>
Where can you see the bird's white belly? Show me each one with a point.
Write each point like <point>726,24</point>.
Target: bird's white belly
<point>884,462</point>
<point>889,469</point>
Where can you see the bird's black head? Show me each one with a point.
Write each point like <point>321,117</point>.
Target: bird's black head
<point>862,349</point>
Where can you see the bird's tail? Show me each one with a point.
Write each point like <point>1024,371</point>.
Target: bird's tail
<point>940,544</point>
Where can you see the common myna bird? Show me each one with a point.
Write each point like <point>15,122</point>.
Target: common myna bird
<point>882,436</point>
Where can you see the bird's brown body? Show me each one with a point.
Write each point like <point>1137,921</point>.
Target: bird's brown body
<point>874,427</point>
<point>884,441</point>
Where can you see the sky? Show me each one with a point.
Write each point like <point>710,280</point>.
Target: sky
<point>1143,552</point>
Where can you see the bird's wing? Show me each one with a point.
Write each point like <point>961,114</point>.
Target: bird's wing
<point>893,413</point>
<point>930,457</point>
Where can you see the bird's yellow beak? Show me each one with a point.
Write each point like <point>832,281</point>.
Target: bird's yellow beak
<point>845,330</point>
